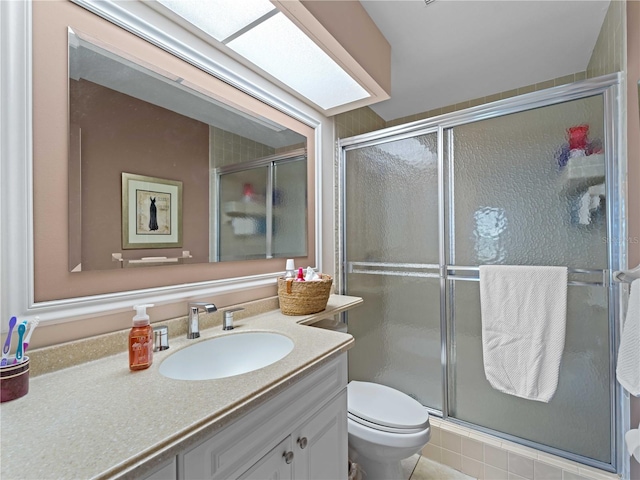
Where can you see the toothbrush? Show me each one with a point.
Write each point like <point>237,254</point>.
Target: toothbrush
<point>19,352</point>
<point>34,323</point>
<point>7,343</point>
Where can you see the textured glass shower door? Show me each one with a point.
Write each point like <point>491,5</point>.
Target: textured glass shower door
<point>515,203</point>
<point>392,259</point>
<point>511,192</point>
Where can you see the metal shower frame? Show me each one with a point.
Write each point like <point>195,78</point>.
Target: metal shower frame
<point>609,86</point>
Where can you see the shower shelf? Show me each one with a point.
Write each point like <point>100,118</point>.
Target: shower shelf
<point>245,209</point>
<point>584,170</point>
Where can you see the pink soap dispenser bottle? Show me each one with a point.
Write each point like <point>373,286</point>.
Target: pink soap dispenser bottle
<point>141,339</point>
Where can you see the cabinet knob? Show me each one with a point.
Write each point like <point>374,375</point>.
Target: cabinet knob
<point>288,457</point>
<point>302,442</point>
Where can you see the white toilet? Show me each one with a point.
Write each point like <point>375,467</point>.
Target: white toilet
<point>385,426</point>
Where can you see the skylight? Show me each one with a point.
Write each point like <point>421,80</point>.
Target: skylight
<point>219,18</point>
<point>273,43</point>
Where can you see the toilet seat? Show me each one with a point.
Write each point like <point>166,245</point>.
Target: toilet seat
<point>384,408</point>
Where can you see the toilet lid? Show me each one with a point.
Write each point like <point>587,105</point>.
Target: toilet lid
<point>385,406</point>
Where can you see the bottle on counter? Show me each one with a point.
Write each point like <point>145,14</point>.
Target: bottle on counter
<point>300,277</point>
<point>290,269</point>
<point>141,339</point>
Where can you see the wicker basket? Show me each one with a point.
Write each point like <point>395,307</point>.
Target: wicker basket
<point>304,298</point>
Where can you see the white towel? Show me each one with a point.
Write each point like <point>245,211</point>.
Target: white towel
<point>632,439</point>
<point>524,316</point>
<point>628,369</point>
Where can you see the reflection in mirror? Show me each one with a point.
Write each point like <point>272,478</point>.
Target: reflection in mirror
<point>268,220</point>
<point>242,178</point>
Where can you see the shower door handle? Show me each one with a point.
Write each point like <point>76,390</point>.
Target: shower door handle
<point>395,269</point>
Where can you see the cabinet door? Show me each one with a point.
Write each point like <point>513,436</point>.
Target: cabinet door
<point>275,465</point>
<point>166,471</point>
<point>321,443</point>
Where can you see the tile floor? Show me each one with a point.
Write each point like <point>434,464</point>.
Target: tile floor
<point>421,468</point>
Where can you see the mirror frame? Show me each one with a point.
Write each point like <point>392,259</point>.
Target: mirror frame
<point>17,222</point>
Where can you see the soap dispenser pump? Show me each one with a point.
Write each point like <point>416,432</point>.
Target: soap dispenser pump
<point>141,339</point>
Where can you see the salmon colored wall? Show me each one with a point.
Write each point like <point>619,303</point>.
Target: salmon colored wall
<point>50,159</point>
<point>120,134</point>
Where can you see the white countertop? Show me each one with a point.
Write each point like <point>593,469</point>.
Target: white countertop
<point>101,420</point>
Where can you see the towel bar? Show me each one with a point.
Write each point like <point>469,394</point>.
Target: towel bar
<point>627,276</point>
<point>412,270</point>
<point>572,283</point>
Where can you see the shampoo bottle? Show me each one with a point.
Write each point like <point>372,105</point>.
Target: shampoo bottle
<point>141,340</point>
<point>290,269</point>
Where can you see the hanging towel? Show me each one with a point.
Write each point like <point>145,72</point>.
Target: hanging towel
<point>628,369</point>
<point>632,439</point>
<point>524,313</point>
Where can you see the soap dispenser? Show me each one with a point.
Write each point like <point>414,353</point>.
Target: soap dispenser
<point>141,339</point>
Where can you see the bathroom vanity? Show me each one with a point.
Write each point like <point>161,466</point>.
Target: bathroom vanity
<point>301,433</point>
<point>100,420</point>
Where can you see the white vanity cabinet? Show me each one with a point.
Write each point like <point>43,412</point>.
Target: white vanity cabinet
<point>299,433</point>
<point>274,464</point>
<point>320,450</point>
<point>166,471</point>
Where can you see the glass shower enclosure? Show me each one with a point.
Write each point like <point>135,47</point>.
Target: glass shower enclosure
<point>424,205</point>
<point>261,208</point>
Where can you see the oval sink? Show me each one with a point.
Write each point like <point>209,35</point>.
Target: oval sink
<point>226,356</point>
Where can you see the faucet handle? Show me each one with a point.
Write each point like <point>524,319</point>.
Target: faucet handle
<point>227,323</point>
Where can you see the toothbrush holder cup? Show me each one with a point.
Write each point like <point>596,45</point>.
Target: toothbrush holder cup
<point>14,379</point>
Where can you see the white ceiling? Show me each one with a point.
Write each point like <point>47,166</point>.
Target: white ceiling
<point>451,51</point>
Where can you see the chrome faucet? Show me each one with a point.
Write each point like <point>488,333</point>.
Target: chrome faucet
<point>227,324</point>
<point>193,323</point>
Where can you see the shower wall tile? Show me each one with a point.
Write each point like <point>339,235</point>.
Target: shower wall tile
<point>542,471</point>
<point>227,148</point>
<point>496,457</point>
<point>476,101</point>
<point>436,436</point>
<point>564,80</point>
<point>493,98</point>
<point>509,93</point>
<point>486,439</point>
<point>449,109</point>
<point>520,465</point>
<point>608,52</point>
<point>593,473</point>
<point>492,473</point>
<point>452,459</point>
<point>452,441</point>
<point>545,85</point>
<point>572,476</point>
<point>471,467</point>
<point>558,462</point>
<point>432,452</point>
<point>355,122</point>
<point>520,449</point>
<point>527,89</point>
<point>459,448</point>
<point>488,99</point>
<point>472,449</point>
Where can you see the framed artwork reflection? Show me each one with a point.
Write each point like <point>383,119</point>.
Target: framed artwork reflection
<point>151,212</point>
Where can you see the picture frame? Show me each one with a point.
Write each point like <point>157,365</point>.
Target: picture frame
<point>151,212</point>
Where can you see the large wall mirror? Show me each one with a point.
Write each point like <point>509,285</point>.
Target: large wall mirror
<point>163,172</point>
<point>130,111</point>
